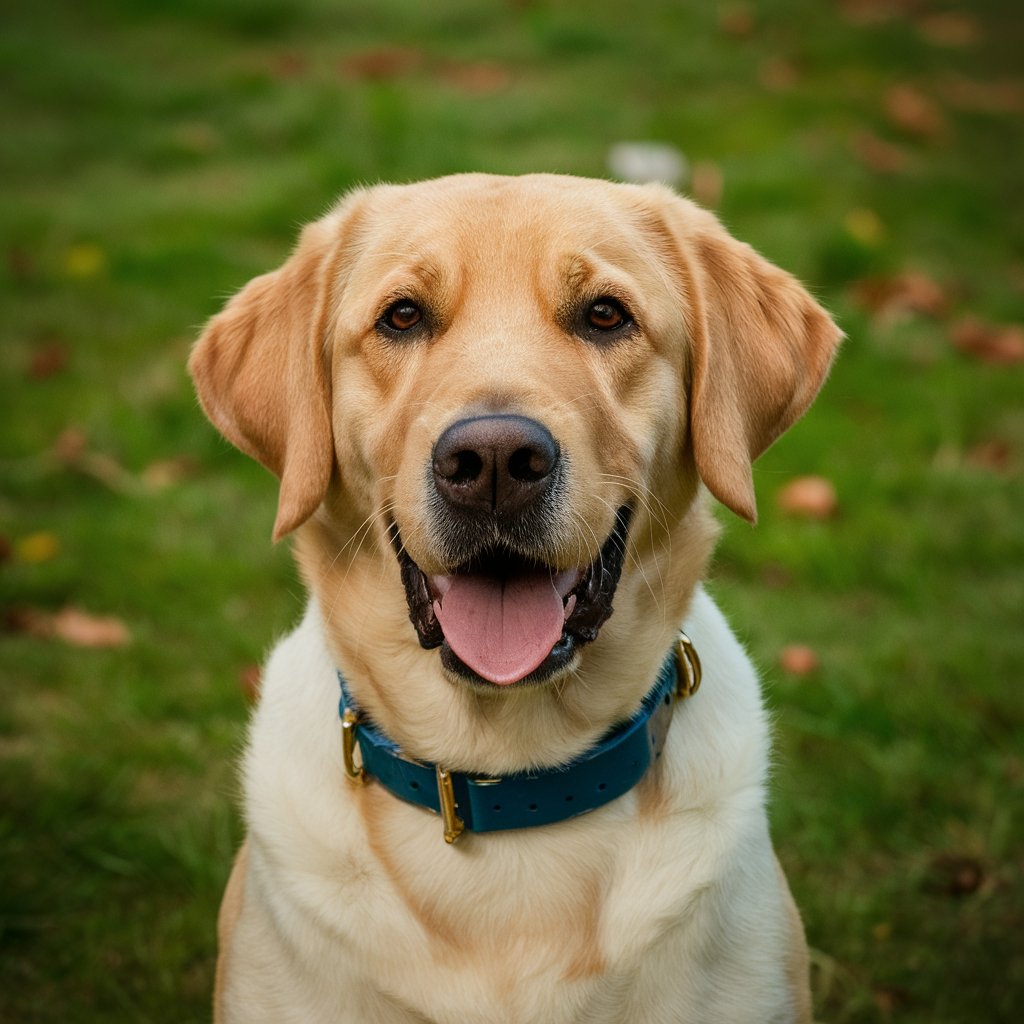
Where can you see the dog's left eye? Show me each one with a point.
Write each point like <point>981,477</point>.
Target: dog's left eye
<point>402,315</point>
<point>606,315</point>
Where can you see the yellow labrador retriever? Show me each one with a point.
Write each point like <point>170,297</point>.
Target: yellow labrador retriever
<point>480,785</point>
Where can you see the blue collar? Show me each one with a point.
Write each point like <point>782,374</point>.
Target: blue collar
<point>610,768</point>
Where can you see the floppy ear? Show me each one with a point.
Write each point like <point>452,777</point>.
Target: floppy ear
<point>761,348</point>
<point>259,370</point>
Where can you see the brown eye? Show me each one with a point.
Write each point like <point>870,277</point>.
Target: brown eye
<point>606,315</point>
<point>402,316</point>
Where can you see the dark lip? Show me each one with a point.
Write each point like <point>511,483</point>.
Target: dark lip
<point>594,594</point>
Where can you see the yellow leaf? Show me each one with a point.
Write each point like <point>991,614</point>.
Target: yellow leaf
<point>37,547</point>
<point>84,260</point>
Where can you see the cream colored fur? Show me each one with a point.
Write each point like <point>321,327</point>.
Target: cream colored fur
<point>666,905</point>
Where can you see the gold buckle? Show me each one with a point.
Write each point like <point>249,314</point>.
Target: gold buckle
<point>349,721</point>
<point>688,668</point>
<point>454,826</point>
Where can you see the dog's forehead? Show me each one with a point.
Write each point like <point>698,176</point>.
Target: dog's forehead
<point>483,220</point>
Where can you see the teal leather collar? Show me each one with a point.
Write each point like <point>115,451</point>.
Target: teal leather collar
<point>613,766</point>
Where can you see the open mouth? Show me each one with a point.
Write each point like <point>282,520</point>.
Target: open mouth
<point>502,619</point>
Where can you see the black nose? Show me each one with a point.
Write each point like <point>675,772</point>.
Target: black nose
<point>500,463</point>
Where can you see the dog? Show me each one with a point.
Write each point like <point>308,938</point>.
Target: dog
<point>479,785</point>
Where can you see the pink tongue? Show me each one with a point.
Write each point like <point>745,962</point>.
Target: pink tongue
<point>502,629</point>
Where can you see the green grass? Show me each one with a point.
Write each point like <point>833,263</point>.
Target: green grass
<point>154,156</point>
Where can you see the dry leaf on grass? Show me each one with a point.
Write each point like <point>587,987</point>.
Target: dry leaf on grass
<point>249,679</point>
<point>49,359</point>
<point>38,547</point>
<point>72,625</point>
<point>914,113</point>
<point>808,497</point>
<point>878,155</point>
<point>990,343</point>
<point>798,660</point>
<point>908,292</point>
<point>382,64</point>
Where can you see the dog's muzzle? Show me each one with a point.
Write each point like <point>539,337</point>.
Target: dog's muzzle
<point>504,615</point>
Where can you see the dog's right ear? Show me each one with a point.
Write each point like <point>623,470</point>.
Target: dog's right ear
<point>260,371</point>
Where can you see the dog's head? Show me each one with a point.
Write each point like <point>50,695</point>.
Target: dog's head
<point>508,389</point>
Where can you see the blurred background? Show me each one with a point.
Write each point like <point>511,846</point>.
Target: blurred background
<point>156,155</point>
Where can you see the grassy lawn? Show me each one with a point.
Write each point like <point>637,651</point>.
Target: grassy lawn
<point>155,156</point>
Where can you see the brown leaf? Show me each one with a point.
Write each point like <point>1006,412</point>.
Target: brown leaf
<point>1005,96</point>
<point>955,875</point>
<point>249,679</point>
<point>778,74</point>
<point>707,183</point>
<point>480,78</point>
<point>994,456</point>
<point>914,113</point>
<point>875,12</point>
<point>878,155</point>
<point>989,343</point>
<point>164,473</point>
<point>808,497</point>
<point>950,28</point>
<point>798,660</point>
<point>48,360</point>
<point>71,444</point>
<point>737,21</point>
<point>81,629</point>
<point>907,292</point>
<point>888,1000</point>
<point>72,625</point>
<point>381,64</point>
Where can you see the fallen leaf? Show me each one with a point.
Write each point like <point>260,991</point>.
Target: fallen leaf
<point>707,183</point>
<point>48,360</point>
<point>798,660</point>
<point>480,78</point>
<point>910,291</point>
<point>995,456</point>
<point>164,473</point>
<point>84,260</point>
<point>878,155</point>
<point>737,21</point>
<point>778,74</point>
<point>20,263</point>
<point>950,28</point>
<point>41,546</point>
<point>81,629</point>
<point>914,113</point>
<point>249,679</point>
<point>382,64</point>
<point>873,12</point>
<point>72,625</point>
<point>71,444</point>
<point>808,497</point>
<point>864,226</point>
<point>888,1000</point>
<point>980,96</point>
<point>955,875</point>
<point>990,343</point>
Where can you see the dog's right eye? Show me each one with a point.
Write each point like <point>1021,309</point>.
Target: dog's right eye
<point>402,315</point>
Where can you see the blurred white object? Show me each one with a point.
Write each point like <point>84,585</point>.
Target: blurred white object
<point>642,162</point>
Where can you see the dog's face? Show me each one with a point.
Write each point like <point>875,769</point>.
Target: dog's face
<point>504,393</point>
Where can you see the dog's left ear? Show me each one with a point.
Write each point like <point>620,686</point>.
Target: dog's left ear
<point>761,348</point>
<point>261,376</point>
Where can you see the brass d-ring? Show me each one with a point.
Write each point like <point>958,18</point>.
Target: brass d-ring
<point>349,721</point>
<point>687,667</point>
